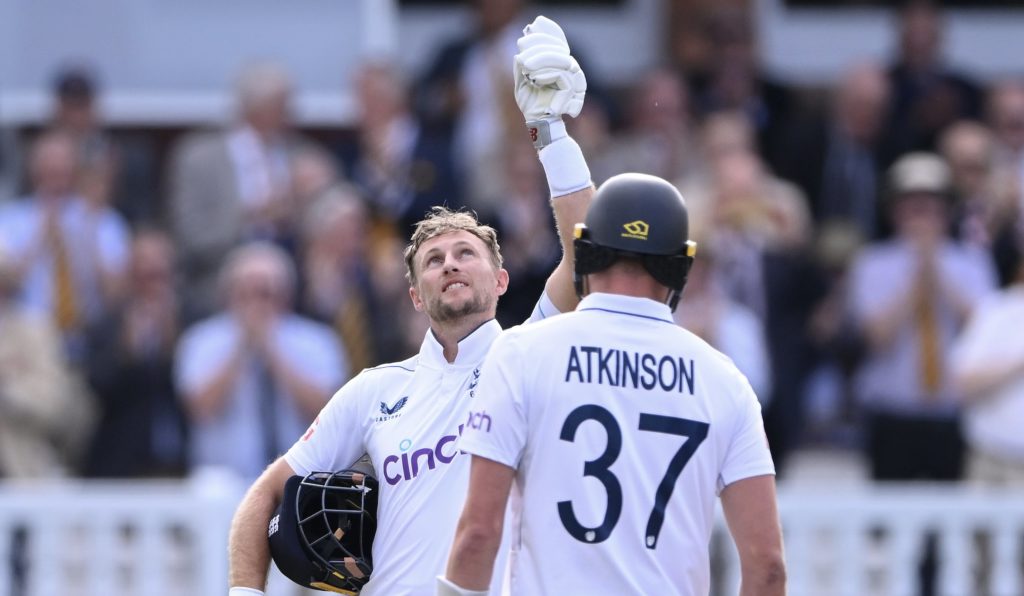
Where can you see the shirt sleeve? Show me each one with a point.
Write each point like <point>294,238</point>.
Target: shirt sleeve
<point>335,439</point>
<point>747,453</point>
<point>543,309</point>
<point>496,427</point>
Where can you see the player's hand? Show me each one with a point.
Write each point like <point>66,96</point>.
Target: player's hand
<point>549,82</point>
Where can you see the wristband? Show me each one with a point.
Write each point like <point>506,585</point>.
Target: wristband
<point>564,166</point>
<point>240,591</point>
<point>447,588</point>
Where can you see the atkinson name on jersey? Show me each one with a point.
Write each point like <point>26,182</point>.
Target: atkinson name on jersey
<point>620,368</point>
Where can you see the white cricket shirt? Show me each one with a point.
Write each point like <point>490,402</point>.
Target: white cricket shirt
<point>623,428</point>
<point>407,417</point>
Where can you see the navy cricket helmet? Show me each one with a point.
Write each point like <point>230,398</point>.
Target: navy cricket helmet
<point>322,533</point>
<point>636,216</point>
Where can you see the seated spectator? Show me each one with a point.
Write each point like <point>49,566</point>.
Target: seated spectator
<point>253,376</point>
<point>40,415</point>
<point>141,427</point>
<point>71,252</point>
<point>235,185</point>
<point>910,297</point>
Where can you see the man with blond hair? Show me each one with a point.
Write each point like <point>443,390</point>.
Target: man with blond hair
<point>407,415</point>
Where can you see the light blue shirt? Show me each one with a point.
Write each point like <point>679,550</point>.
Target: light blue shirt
<point>890,380</point>
<point>234,437</point>
<point>95,241</point>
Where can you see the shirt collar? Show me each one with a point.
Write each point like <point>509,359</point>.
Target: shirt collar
<point>644,307</point>
<point>472,348</point>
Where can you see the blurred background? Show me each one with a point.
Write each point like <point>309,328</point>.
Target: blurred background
<point>203,208</point>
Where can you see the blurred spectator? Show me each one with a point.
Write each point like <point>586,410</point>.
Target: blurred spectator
<point>735,80</point>
<point>910,297</point>
<point>758,228</point>
<point>10,164</point>
<point>928,95</point>
<point>141,428</point>
<point>71,251</point>
<point>658,138</point>
<point>528,239</point>
<point>338,287</point>
<point>988,366</point>
<point>1006,117</point>
<point>129,158</point>
<point>468,89</point>
<point>837,157</point>
<point>36,401</point>
<point>235,185</point>
<point>402,166</point>
<point>986,210</point>
<point>255,375</point>
<point>727,325</point>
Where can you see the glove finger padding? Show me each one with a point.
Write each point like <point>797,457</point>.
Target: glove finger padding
<point>543,59</point>
<point>544,25</point>
<point>540,39</point>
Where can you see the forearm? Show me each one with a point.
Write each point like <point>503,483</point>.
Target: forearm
<point>248,547</point>
<point>767,578</point>
<point>981,380</point>
<point>571,192</point>
<point>471,562</point>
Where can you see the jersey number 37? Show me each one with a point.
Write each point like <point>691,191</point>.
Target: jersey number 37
<point>695,433</point>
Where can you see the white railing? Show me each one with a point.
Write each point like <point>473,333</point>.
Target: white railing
<point>116,539</point>
<point>869,540</point>
<point>169,539</point>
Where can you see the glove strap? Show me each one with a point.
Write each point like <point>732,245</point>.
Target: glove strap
<point>544,132</point>
<point>240,591</point>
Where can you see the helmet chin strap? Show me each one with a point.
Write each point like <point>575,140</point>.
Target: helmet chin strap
<point>672,300</point>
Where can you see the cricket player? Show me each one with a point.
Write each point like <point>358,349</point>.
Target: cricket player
<point>618,430</point>
<point>408,415</point>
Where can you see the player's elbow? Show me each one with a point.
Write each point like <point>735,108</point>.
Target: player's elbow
<point>765,575</point>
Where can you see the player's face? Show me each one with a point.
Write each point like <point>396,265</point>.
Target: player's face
<point>456,278</point>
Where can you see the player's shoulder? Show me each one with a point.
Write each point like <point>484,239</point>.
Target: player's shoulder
<point>401,368</point>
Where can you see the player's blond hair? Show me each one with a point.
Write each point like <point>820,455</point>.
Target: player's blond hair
<point>442,220</point>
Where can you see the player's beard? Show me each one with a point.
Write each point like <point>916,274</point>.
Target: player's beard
<point>444,312</point>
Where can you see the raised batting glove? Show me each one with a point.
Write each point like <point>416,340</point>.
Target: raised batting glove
<point>549,82</point>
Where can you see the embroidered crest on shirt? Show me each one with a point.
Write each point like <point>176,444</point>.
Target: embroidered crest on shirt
<point>473,382</point>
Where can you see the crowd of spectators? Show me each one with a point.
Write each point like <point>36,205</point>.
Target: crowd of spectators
<point>859,250</point>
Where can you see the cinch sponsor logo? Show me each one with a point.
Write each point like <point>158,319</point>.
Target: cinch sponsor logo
<point>409,465</point>
<point>479,421</point>
<point>636,229</point>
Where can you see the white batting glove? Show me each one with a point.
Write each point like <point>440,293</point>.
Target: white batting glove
<point>549,82</point>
